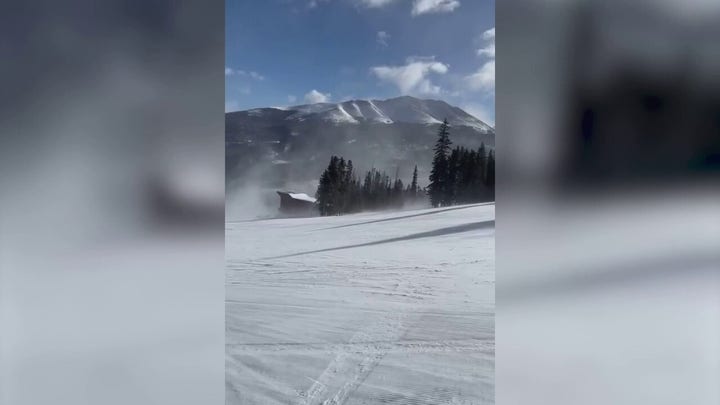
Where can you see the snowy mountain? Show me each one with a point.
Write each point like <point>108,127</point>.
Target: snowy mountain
<point>283,147</point>
<point>406,109</point>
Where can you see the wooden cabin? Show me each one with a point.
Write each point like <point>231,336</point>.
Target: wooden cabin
<point>297,203</point>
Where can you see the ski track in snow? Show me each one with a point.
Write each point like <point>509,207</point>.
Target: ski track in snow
<point>383,117</point>
<point>409,321</point>
<point>344,116</point>
<point>357,109</point>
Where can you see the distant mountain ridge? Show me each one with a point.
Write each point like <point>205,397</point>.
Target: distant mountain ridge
<point>405,109</point>
<point>288,147</point>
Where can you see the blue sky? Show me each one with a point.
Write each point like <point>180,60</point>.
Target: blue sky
<point>288,52</point>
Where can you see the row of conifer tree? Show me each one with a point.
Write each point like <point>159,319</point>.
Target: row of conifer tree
<point>341,191</point>
<point>458,176</point>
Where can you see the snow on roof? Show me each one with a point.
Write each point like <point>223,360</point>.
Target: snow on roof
<point>301,196</point>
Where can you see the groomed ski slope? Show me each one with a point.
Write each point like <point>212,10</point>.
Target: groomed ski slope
<point>373,308</point>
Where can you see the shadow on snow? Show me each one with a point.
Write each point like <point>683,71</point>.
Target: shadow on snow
<point>438,232</point>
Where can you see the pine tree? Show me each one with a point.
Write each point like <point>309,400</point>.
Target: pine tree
<point>340,187</point>
<point>454,177</point>
<point>397,193</point>
<point>490,173</point>
<point>349,172</point>
<point>322,192</point>
<point>349,194</point>
<point>341,191</point>
<point>439,174</point>
<point>325,193</point>
<point>414,184</point>
<point>482,154</point>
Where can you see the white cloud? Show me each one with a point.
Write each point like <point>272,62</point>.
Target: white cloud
<point>412,78</point>
<point>488,50</point>
<point>256,76</point>
<point>365,3</point>
<point>315,3</point>
<point>382,38</point>
<point>484,78</point>
<point>314,96</point>
<point>376,3</point>
<point>238,72</point>
<point>434,6</point>
<point>291,98</point>
<point>489,34</point>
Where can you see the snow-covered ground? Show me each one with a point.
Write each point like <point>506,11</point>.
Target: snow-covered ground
<point>392,308</point>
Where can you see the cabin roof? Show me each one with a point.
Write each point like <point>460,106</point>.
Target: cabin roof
<point>299,196</point>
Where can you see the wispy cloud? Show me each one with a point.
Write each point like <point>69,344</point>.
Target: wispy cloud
<point>413,77</point>
<point>488,48</point>
<point>376,3</point>
<point>291,98</point>
<point>256,76</point>
<point>382,38</point>
<point>315,3</point>
<point>314,96</point>
<point>239,72</point>
<point>489,34</point>
<point>434,6</point>
<point>484,78</point>
<point>419,6</point>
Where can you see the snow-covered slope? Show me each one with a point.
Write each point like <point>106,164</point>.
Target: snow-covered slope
<point>362,309</point>
<point>404,109</point>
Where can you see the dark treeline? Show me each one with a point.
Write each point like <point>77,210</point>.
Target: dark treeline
<point>341,191</point>
<point>460,175</point>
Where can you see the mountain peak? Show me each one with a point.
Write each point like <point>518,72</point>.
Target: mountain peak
<point>402,109</point>
<point>406,97</point>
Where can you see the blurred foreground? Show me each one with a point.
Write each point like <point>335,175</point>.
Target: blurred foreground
<point>608,263</point>
<point>111,202</point>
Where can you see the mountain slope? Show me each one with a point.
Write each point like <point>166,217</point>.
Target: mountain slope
<point>404,109</point>
<point>371,308</point>
<point>285,147</point>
